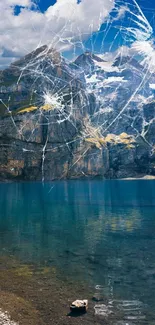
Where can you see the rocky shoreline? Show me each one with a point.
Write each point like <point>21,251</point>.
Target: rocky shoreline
<point>146,177</point>
<point>5,319</point>
<point>142,178</point>
<point>31,295</point>
<point>38,297</point>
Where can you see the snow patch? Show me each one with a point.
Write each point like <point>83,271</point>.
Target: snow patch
<point>92,79</point>
<point>114,79</point>
<point>107,66</point>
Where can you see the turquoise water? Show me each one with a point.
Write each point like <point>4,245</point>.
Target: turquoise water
<point>102,232</point>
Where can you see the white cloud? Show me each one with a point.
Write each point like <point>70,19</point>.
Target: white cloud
<point>121,12</point>
<point>152,86</point>
<point>147,50</point>
<point>62,25</point>
<point>24,3</point>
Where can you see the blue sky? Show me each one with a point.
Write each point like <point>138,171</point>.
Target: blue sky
<point>147,5</point>
<point>44,4</point>
<point>24,27</point>
<point>96,40</point>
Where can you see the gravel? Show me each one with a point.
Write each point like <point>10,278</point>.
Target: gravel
<point>5,319</point>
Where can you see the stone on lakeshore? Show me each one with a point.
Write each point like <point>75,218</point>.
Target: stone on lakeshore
<point>79,305</point>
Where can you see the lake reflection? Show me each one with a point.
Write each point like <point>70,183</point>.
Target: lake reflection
<point>99,231</point>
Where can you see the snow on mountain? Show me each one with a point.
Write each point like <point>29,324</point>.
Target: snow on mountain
<point>120,86</point>
<point>106,66</point>
<point>111,80</point>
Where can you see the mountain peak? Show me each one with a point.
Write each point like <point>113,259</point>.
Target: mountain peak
<point>88,57</point>
<point>39,53</point>
<point>126,59</point>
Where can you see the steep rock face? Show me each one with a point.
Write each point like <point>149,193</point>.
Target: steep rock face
<point>27,156</point>
<point>30,81</point>
<point>27,138</point>
<point>56,122</point>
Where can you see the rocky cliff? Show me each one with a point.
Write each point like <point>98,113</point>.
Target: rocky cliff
<point>61,120</point>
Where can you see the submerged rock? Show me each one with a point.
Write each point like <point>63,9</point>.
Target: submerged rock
<point>98,297</point>
<point>102,310</point>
